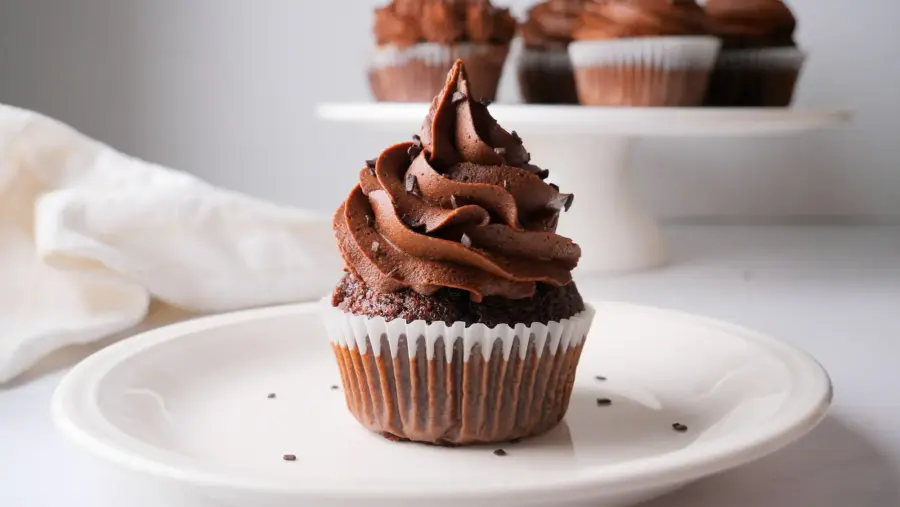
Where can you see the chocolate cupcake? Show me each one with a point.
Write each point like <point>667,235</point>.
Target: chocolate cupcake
<point>418,41</point>
<point>759,63</point>
<point>457,321</point>
<point>544,67</point>
<point>643,53</point>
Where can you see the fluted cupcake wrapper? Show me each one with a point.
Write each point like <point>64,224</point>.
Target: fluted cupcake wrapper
<point>546,77</point>
<point>417,73</point>
<point>763,77</point>
<point>450,384</point>
<point>644,71</point>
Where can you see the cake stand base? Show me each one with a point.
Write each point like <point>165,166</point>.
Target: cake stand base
<point>615,232</point>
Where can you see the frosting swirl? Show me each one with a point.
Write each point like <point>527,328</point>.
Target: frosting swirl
<point>752,23</point>
<point>408,22</point>
<point>613,19</point>
<point>550,24</point>
<point>459,207</point>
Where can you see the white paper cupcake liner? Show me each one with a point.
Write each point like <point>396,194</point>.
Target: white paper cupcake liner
<point>546,76</point>
<point>686,52</point>
<point>452,384</point>
<point>419,72</point>
<point>557,59</point>
<point>431,53</point>
<point>355,332</point>
<point>790,58</point>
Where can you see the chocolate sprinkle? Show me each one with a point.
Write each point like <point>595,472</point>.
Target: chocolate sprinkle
<point>554,186</point>
<point>679,427</point>
<point>600,378</point>
<point>289,457</point>
<point>569,201</point>
<point>543,174</point>
<point>271,396</point>
<point>466,240</point>
<point>334,387</point>
<point>604,402</point>
<point>417,140</point>
<point>558,203</point>
<point>453,202</point>
<point>499,452</point>
<point>375,246</point>
<point>412,185</point>
<point>414,151</point>
<point>457,97</point>
<point>371,163</point>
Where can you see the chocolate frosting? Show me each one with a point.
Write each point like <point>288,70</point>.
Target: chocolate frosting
<point>752,23</point>
<point>612,19</point>
<point>551,24</point>
<point>459,207</point>
<point>408,22</point>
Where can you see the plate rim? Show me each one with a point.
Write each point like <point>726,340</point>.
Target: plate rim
<point>685,465</point>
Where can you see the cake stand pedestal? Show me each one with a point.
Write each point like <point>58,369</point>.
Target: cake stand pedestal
<point>587,150</point>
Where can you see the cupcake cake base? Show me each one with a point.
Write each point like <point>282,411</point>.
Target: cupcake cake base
<point>457,384</point>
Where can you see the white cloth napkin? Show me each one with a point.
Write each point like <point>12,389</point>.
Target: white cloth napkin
<point>88,236</point>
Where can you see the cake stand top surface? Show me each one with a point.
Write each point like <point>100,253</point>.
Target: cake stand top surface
<point>622,121</point>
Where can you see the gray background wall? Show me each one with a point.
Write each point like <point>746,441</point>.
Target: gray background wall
<point>226,88</point>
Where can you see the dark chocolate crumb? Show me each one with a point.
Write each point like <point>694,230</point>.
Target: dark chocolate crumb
<point>335,387</point>
<point>414,151</point>
<point>679,427</point>
<point>271,396</point>
<point>375,246</point>
<point>371,163</point>
<point>289,457</point>
<point>500,151</point>
<point>417,140</point>
<point>412,185</point>
<point>569,201</point>
<point>554,186</point>
<point>486,102</point>
<point>499,452</point>
<point>457,97</point>
<point>604,402</point>
<point>544,174</point>
<point>453,202</point>
<point>600,378</point>
<point>515,136</point>
<point>466,240</point>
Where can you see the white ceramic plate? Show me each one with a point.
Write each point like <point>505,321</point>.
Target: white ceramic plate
<point>189,404</point>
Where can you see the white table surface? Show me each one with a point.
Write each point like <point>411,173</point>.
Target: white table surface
<point>834,291</point>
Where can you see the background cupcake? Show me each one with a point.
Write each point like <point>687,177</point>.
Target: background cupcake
<point>418,41</point>
<point>642,53</point>
<point>760,63</point>
<point>544,67</point>
<point>458,321</point>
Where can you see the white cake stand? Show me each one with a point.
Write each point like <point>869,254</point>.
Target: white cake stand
<point>590,147</point>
